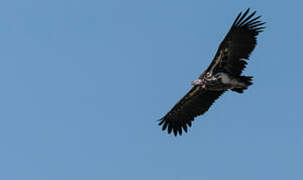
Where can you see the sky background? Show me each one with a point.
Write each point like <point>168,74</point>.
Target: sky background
<point>83,83</point>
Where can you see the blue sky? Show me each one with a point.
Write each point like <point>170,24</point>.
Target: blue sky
<point>83,83</point>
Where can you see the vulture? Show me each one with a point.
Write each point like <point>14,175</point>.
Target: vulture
<point>223,74</point>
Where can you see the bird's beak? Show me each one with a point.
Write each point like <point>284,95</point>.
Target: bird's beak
<point>192,83</point>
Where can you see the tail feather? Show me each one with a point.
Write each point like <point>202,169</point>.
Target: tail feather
<point>246,80</point>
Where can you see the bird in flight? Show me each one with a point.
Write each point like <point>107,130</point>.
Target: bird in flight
<point>223,74</point>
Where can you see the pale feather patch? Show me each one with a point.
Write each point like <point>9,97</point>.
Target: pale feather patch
<point>226,79</point>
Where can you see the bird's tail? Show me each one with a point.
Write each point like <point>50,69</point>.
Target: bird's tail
<point>245,81</point>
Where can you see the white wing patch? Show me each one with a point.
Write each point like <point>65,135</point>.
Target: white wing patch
<point>217,60</point>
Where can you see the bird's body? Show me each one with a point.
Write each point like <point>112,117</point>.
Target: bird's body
<point>222,81</point>
<point>224,73</point>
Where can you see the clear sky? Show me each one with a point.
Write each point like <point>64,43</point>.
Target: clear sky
<point>83,83</point>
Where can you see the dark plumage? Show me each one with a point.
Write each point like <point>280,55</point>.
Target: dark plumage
<point>223,74</point>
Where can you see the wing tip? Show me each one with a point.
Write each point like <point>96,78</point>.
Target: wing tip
<point>250,21</point>
<point>174,127</point>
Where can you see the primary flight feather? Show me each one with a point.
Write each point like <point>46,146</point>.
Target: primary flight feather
<point>223,74</point>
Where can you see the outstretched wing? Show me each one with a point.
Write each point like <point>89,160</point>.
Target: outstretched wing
<point>237,45</point>
<point>196,102</point>
<point>230,57</point>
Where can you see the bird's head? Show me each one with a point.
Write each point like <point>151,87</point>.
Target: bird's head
<point>196,82</point>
